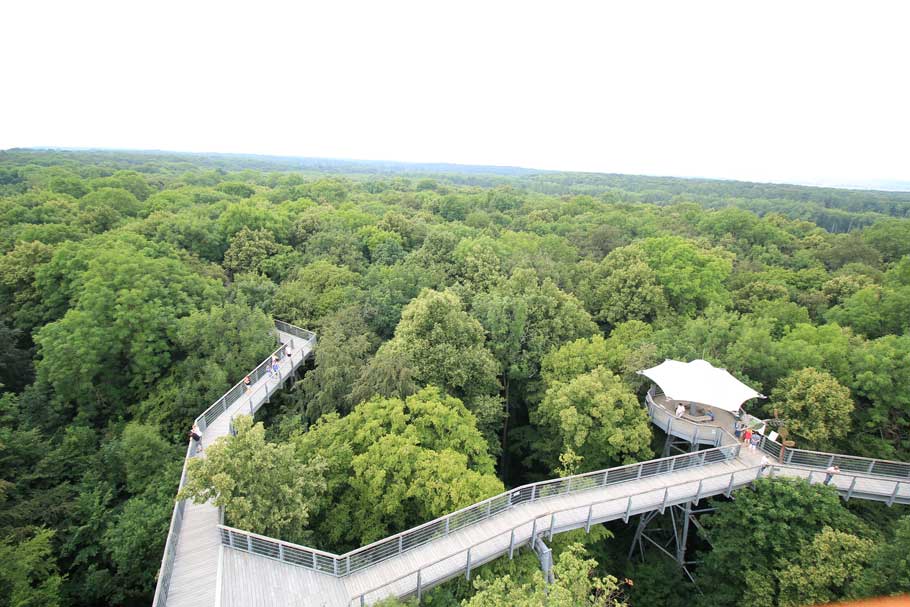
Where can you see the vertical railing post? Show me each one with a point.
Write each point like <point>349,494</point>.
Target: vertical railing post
<point>663,505</point>
<point>730,486</point>
<point>672,463</point>
<point>280,551</point>
<point>698,492</point>
<point>606,472</point>
<point>511,543</point>
<point>695,437</point>
<point>552,522</point>
<point>871,465</point>
<point>789,457</point>
<point>447,525</point>
<point>467,573</point>
<point>588,522</point>
<point>625,517</point>
<point>347,565</point>
<point>638,473</point>
<point>533,492</point>
<point>400,544</point>
<point>830,461</point>
<point>533,532</point>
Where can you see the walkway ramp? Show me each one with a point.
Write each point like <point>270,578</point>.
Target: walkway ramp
<point>209,564</point>
<point>189,568</point>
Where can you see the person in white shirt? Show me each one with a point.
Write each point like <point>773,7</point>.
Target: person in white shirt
<point>680,409</point>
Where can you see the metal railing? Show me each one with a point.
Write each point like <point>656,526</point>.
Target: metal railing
<point>173,533</point>
<point>593,513</point>
<point>367,556</point>
<point>221,405</point>
<point>848,463</point>
<point>799,457</point>
<point>692,431</point>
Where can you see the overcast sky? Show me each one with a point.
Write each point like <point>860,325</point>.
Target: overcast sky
<point>798,91</point>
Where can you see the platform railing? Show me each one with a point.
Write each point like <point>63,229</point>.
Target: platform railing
<point>465,560</point>
<point>367,556</point>
<point>798,457</point>
<point>221,405</point>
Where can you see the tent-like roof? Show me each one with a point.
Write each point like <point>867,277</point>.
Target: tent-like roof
<point>700,382</point>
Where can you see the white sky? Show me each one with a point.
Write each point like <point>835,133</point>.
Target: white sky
<point>798,91</point>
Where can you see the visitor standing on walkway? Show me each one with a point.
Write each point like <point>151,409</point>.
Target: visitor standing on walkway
<point>247,383</point>
<point>287,350</point>
<point>680,409</point>
<point>830,472</point>
<point>747,436</point>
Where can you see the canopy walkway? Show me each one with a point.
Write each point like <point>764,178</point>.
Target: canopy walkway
<point>211,564</point>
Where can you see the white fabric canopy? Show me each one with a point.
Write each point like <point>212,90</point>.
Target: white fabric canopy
<point>700,382</point>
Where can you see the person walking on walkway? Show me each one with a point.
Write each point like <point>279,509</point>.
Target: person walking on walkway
<point>680,409</point>
<point>196,435</point>
<point>247,382</point>
<point>830,471</point>
<point>747,436</point>
<point>287,350</point>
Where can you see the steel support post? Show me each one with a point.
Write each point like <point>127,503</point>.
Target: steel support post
<point>681,546</point>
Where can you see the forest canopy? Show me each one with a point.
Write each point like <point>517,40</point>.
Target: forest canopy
<point>478,328</point>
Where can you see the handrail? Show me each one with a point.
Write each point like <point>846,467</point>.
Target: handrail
<point>548,513</point>
<point>816,459</point>
<point>394,545</point>
<point>752,473</point>
<point>203,420</point>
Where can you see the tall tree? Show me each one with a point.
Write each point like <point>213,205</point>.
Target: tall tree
<point>262,486</point>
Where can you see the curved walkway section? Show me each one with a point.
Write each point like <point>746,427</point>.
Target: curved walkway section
<point>207,563</point>
<point>190,565</point>
<point>265,572</point>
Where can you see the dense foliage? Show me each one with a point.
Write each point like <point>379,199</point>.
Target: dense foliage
<point>479,329</point>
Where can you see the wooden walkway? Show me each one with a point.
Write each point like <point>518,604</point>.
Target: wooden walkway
<point>194,580</point>
<point>253,580</point>
<point>210,570</point>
